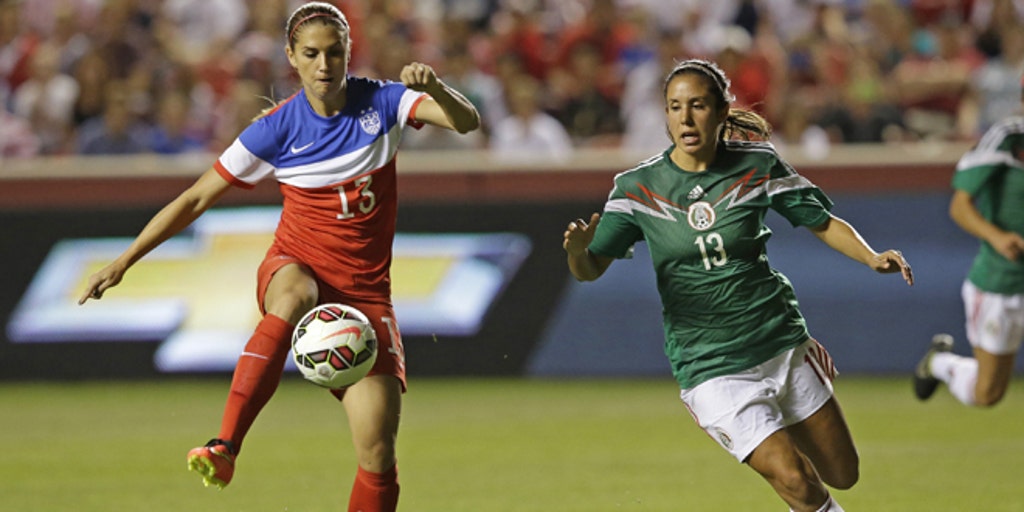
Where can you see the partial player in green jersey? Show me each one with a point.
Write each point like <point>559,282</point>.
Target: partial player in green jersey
<point>748,370</point>
<point>988,203</point>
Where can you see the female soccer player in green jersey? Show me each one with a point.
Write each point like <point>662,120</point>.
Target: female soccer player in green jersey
<point>988,203</point>
<point>750,374</point>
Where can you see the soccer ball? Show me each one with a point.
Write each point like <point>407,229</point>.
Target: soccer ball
<point>334,345</point>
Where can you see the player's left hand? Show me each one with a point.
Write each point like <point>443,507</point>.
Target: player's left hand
<point>419,77</point>
<point>890,262</point>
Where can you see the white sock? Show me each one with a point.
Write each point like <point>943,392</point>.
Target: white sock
<point>829,506</point>
<point>958,372</point>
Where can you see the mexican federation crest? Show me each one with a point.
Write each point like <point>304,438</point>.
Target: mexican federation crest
<point>701,215</point>
<point>721,436</point>
<point>370,122</point>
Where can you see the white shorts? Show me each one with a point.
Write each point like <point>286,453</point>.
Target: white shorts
<point>995,323</point>
<point>741,410</point>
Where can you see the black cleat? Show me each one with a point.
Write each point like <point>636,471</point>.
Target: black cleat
<point>925,383</point>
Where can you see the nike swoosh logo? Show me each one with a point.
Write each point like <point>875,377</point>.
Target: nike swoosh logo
<point>300,149</point>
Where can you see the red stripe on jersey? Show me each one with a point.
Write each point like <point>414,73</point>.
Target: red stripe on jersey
<point>230,178</point>
<point>415,123</point>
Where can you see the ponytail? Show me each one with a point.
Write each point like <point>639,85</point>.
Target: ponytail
<point>743,124</point>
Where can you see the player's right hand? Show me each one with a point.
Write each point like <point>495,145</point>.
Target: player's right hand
<point>579,234</point>
<point>99,282</point>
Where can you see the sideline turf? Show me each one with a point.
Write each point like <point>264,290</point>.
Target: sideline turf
<point>482,445</point>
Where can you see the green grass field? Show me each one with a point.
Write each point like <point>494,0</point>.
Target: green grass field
<point>483,446</point>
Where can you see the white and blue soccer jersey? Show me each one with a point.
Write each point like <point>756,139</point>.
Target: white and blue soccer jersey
<point>337,177</point>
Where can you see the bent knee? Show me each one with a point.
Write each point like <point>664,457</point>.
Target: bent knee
<point>988,398</point>
<point>843,475</point>
<point>804,486</point>
<point>291,304</point>
<point>291,292</point>
<point>844,479</point>
<point>990,391</point>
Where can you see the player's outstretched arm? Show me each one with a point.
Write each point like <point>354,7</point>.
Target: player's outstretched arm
<point>584,265</point>
<point>169,221</point>
<point>841,236</point>
<point>446,107</point>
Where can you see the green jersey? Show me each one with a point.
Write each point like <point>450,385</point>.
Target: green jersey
<point>725,309</point>
<point>993,174</point>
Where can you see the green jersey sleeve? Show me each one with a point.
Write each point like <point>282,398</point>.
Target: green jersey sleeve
<point>617,232</point>
<point>984,161</point>
<point>794,197</point>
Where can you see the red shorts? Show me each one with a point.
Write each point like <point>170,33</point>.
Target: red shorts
<point>390,352</point>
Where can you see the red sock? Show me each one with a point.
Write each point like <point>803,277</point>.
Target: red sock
<point>256,377</point>
<point>374,492</point>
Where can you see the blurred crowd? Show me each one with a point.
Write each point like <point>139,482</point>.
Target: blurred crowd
<point>548,76</point>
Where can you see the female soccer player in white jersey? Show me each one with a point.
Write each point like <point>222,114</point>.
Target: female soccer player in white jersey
<point>331,146</point>
<point>750,374</point>
<point>988,203</point>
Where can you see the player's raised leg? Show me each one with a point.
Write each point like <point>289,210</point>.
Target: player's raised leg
<point>290,291</point>
<point>374,406</point>
<point>257,374</point>
<point>994,374</point>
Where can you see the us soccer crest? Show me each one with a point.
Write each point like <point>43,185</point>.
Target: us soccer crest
<point>701,215</point>
<point>370,122</point>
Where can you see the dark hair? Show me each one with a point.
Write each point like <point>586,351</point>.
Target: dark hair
<point>740,123</point>
<point>315,11</point>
